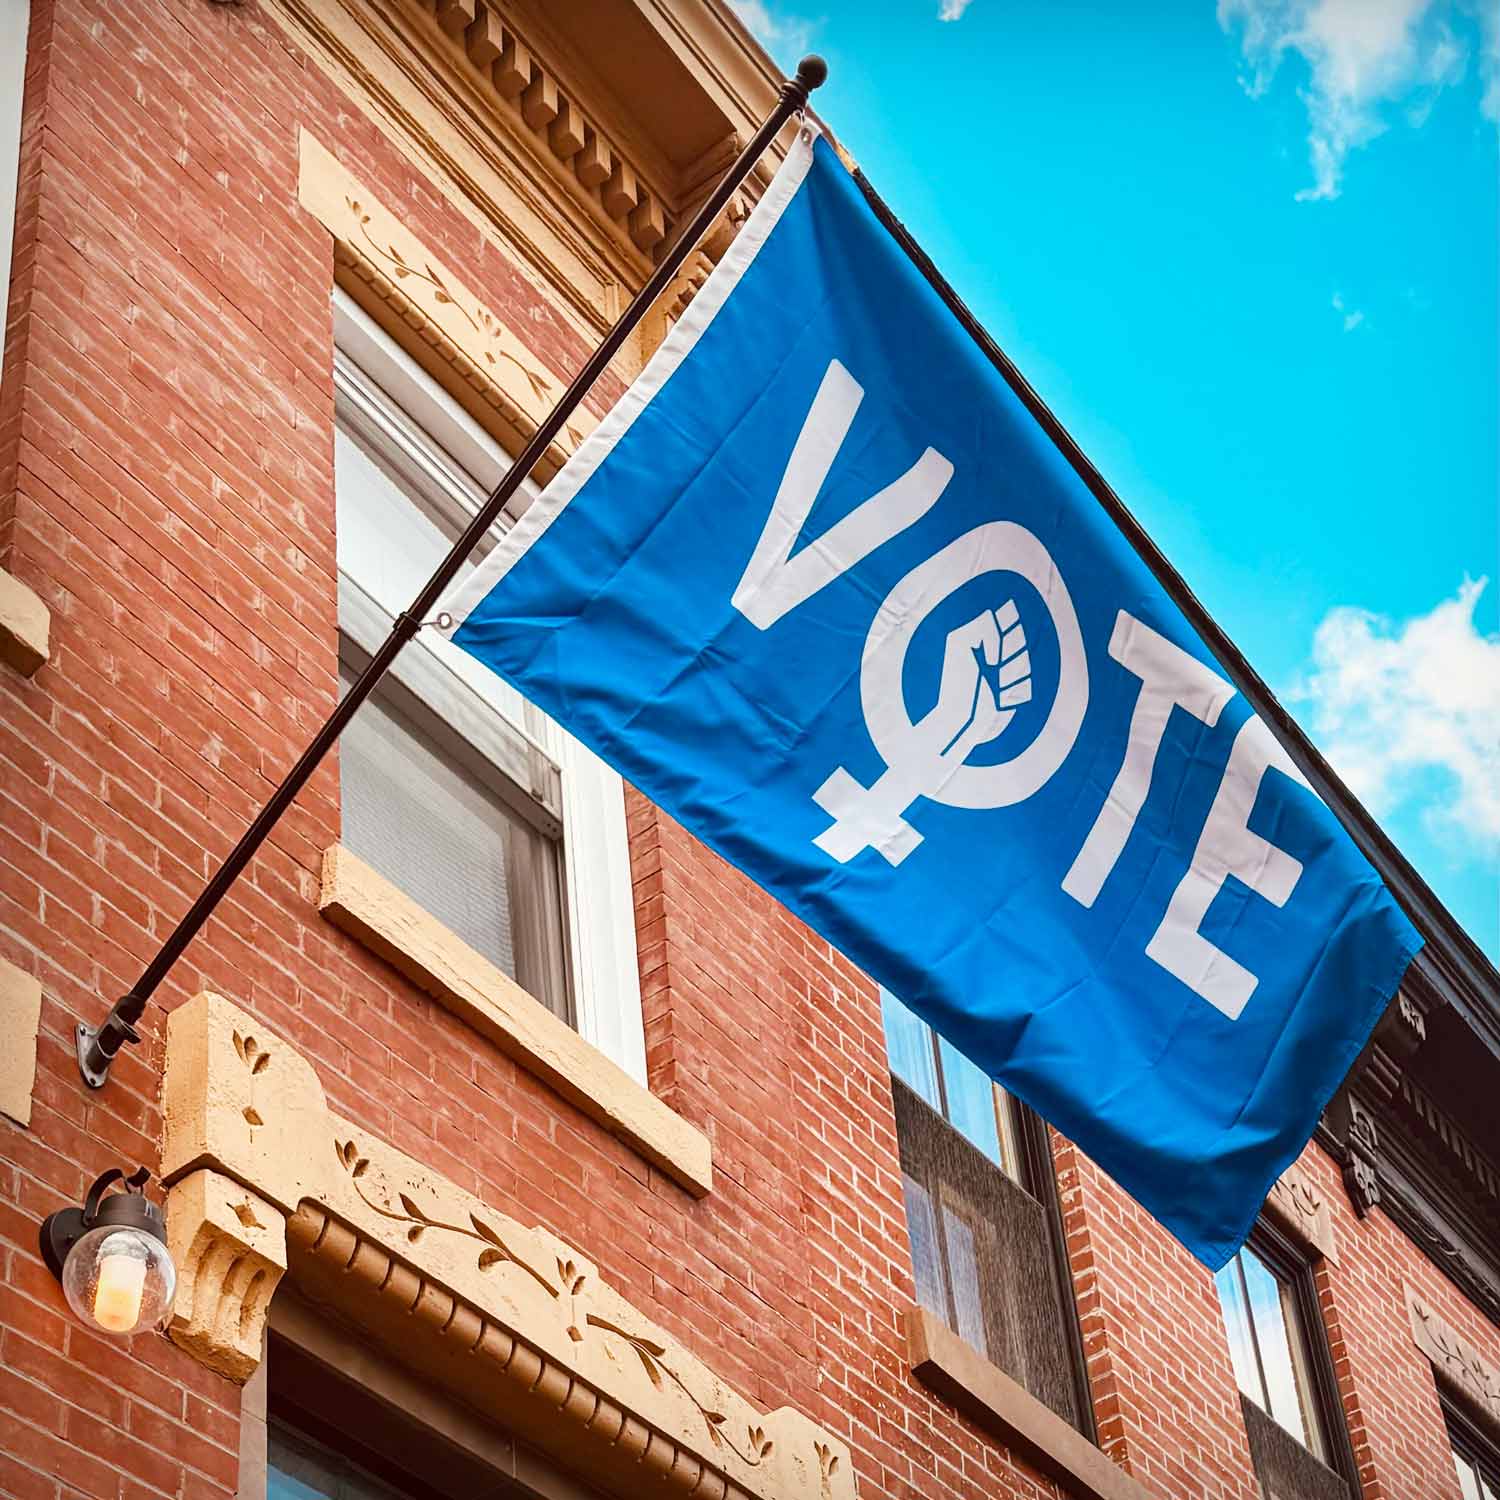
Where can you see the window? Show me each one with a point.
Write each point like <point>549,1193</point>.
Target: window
<point>1289,1397</point>
<point>1475,1457</point>
<point>982,1215</point>
<point>332,1417</point>
<point>454,788</point>
<point>1268,1346</point>
<point>297,1468</point>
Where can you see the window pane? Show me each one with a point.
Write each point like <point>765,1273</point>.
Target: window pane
<point>415,804</point>
<point>982,1254</point>
<point>1274,1340</point>
<point>299,1470</point>
<point>908,1040</point>
<point>1237,1325</point>
<point>1468,1480</point>
<point>926,1259</point>
<point>971,1101</point>
<point>390,546</point>
<point>417,820</point>
<point>420,818</point>
<point>963,1275</point>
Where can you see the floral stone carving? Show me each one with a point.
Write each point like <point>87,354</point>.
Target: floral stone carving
<point>1454,1359</point>
<point>1304,1210</point>
<point>229,1247</point>
<point>517,1320</point>
<point>487,354</point>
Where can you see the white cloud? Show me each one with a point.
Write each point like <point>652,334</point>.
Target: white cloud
<point>1353,317</point>
<point>1363,56</point>
<point>1408,713</point>
<point>787,38</point>
<point>952,10</point>
<point>1489,59</point>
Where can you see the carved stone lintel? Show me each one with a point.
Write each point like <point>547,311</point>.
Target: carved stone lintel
<point>229,1246</point>
<point>1455,1360</point>
<point>1303,1209</point>
<point>394,276</point>
<point>264,1176</point>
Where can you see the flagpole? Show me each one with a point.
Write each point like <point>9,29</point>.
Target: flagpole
<point>97,1046</point>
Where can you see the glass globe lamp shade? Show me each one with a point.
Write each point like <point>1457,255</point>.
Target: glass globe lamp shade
<point>119,1279</point>
<point>111,1255</point>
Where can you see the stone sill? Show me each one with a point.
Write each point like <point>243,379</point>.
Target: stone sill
<point>24,625</point>
<point>20,1021</point>
<point>392,925</point>
<point>985,1394</point>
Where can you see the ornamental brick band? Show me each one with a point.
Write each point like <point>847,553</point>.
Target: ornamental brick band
<point>512,1318</point>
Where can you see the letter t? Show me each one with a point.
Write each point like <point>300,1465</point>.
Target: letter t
<point>1227,847</point>
<point>1170,678</point>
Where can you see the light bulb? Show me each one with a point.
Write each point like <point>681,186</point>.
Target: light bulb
<point>117,1299</point>
<point>119,1279</point>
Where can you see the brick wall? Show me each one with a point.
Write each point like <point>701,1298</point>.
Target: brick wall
<point>166,486</point>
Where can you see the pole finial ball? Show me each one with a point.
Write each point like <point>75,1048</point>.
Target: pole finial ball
<point>812,71</point>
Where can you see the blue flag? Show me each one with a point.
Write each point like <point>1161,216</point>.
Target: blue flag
<point>824,589</point>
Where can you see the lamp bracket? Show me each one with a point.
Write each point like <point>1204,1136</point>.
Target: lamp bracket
<point>60,1232</point>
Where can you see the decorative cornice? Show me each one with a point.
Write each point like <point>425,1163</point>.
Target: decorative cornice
<point>504,136</point>
<point>435,118</point>
<point>513,1317</point>
<point>1414,1214</point>
<point>1451,969</point>
<point>1459,1152</point>
<point>1455,1360</point>
<point>1469,1268</point>
<point>1373,1081</point>
<point>1398,1149</point>
<point>610,183</point>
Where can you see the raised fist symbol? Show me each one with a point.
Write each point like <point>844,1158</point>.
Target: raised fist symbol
<point>986,676</point>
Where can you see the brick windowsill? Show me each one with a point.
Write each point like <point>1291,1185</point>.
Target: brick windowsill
<point>389,923</point>
<point>994,1402</point>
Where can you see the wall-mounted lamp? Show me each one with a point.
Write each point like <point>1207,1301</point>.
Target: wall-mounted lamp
<point>111,1256</point>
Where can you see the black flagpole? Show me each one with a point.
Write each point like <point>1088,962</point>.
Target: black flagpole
<point>98,1046</point>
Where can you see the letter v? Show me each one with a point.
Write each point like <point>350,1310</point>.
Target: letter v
<point>775,582</point>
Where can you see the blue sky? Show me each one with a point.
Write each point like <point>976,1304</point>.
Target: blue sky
<point>1248,256</point>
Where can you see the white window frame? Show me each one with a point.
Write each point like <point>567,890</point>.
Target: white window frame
<point>565,777</point>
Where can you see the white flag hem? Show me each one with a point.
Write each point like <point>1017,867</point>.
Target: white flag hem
<point>678,344</point>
